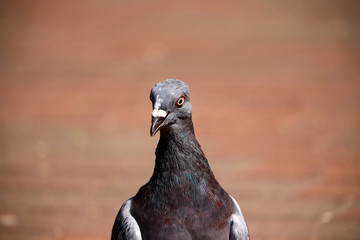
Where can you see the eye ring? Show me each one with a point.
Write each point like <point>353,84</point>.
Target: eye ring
<point>180,101</point>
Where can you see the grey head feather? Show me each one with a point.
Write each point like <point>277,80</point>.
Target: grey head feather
<point>167,92</point>
<point>167,114</point>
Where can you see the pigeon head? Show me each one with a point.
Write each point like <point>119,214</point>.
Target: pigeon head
<point>171,105</point>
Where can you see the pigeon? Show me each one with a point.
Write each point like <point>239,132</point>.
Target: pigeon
<point>182,199</point>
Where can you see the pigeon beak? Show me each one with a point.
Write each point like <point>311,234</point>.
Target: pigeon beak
<point>158,118</point>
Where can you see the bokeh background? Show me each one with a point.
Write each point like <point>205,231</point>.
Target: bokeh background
<point>275,94</point>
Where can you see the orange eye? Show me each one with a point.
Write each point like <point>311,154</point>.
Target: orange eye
<point>180,101</point>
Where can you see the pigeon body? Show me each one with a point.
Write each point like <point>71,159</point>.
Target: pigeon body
<point>182,199</point>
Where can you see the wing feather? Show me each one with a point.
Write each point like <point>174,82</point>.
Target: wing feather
<point>125,225</point>
<point>238,227</point>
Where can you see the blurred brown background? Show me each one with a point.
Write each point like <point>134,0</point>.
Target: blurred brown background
<point>275,94</point>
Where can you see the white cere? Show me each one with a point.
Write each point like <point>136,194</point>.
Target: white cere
<point>159,113</point>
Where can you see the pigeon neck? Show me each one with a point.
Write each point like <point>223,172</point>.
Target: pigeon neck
<point>178,150</point>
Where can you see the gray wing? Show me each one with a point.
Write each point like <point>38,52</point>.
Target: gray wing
<point>238,227</point>
<point>125,225</point>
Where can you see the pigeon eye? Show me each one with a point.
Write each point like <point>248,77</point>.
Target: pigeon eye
<point>180,101</point>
